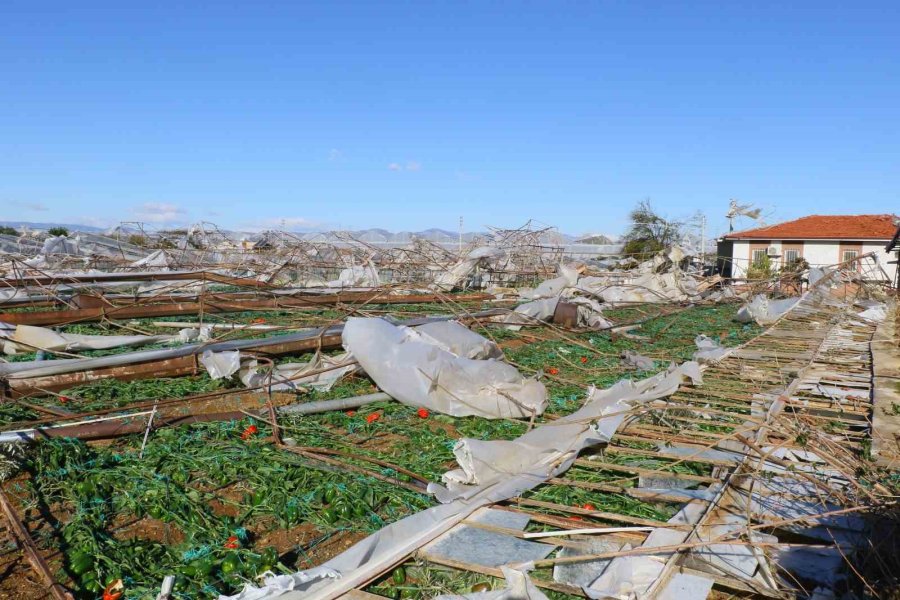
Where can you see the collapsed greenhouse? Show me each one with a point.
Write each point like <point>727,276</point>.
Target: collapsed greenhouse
<point>190,416</point>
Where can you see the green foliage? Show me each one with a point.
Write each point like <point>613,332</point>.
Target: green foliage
<point>648,232</point>
<point>760,269</point>
<point>6,230</point>
<point>137,240</point>
<point>57,231</point>
<point>211,496</point>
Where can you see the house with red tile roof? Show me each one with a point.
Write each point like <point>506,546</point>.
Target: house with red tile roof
<point>820,240</point>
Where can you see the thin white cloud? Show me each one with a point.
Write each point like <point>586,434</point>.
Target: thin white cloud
<point>35,206</point>
<point>410,166</point>
<point>334,154</point>
<point>159,212</point>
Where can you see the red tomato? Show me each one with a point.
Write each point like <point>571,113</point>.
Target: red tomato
<point>423,413</point>
<point>372,417</point>
<point>114,590</point>
<point>553,371</point>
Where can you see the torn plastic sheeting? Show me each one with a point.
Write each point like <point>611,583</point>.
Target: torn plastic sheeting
<point>648,287</point>
<point>638,361</point>
<point>276,585</point>
<point>357,276</point>
<point>582,573</point>
<point>460,340</point>
<point>590,313</point>
<point>685,586</point>
<point>417,371</point>
<point>763,310</point>
<point>810,516</point>
<point>220,365</point>
<point>592,424</point>
<point>568,276</point>
<point>452,277</point>
<point>518,587</point>
<point>487,548</point>
<point>484,461</point>
<point>821,565</point>
<point>737,560</point>
<point>158,259</point>
<point>532,312</point>
<point>27,338</point>
<point>628,577</point>
<point>875,311</point>
<point>292,376</point>
<point>708,349</point>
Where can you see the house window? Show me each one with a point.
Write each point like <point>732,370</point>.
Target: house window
<point>759,257</point>
<point>791,256</point>
<point>849,255</point>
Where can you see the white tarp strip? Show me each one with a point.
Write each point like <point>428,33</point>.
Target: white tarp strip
<point>292,376</point>
<point>763,310</point>
<point>28,338</point>
<point>552,446</point>
<point>417,371</point>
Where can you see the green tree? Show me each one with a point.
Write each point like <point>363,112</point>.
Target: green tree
<point>57,231</point>
<point>5,230</point>
<point>648,232</point>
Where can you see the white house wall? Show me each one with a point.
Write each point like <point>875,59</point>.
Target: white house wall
<point>816,253</point>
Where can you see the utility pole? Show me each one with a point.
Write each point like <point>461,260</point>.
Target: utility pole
<point>702,243</point>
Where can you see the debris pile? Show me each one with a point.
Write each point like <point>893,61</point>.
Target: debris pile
<point>282,416</point>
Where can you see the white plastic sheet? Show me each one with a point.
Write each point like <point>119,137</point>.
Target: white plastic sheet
<point>357,276</point>
<point>485,461</point>
<point>321,372</point>
<point>456,274</point>
<point>220,365</point>
<point>568,276</point>
<point>27,338</point>
<point>416,370</point>
<point>638,361</point>
<point>763,310</point>
<point>708,349</point>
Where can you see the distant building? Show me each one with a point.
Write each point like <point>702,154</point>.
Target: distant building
<point>820,240</point>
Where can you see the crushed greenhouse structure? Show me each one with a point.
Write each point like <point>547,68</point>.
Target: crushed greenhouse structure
<point>187,415</point>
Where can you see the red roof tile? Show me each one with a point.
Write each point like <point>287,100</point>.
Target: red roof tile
<point>844,227</point>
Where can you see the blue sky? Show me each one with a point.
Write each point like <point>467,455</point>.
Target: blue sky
<point>410,115</point>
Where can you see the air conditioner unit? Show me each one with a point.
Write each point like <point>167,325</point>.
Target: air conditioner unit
<point>772,251</point>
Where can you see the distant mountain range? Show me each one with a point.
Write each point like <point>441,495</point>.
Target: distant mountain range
<point>69,226</point>
<point>375,235</point>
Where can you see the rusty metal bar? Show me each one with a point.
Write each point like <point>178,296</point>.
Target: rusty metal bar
<point>214,305</point>
<point>30,551</point>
